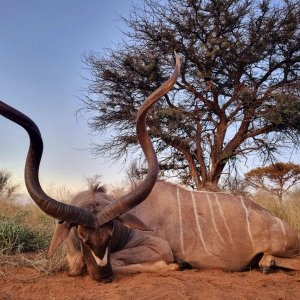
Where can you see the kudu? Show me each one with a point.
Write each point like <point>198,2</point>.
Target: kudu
<point>197,229</point>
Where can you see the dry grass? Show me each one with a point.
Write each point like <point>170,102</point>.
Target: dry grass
<point>36,261</point>
<point>289,210</point>
<point>23,228</point>
<point>17,219</point>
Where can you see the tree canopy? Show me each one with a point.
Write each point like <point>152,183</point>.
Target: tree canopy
<point>238,92</point>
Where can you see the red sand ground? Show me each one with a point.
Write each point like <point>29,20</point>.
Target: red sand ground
<point>26,283</point>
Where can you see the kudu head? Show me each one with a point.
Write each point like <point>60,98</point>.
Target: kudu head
<point>95,230</point>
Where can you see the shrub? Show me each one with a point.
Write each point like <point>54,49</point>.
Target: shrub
<point>15,237</point>
<point>23,228</point>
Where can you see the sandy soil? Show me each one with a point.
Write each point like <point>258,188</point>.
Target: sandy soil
<point>26,283</point>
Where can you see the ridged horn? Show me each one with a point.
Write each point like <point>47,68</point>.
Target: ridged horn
<point>138,195</point>
<point>52,207</point>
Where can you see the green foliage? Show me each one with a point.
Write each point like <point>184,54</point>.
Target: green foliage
<point>286,113</point>
<point>23,228</point>
<point>15,237</point>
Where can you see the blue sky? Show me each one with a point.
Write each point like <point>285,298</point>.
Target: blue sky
<point>41,46</point>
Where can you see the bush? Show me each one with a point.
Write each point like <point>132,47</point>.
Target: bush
<point>23,228</point>
<point>15,237</point>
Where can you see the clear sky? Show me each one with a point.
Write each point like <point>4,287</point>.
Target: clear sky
<point>41,46</point>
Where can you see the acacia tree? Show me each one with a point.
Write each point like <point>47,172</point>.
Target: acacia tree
<point>276,178</point>
<point>238,92</point>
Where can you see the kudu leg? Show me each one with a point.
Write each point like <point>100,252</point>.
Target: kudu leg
<point>269,261</point>
<point>77,266</point>
<point>147,267</point>
<point>144,254</point>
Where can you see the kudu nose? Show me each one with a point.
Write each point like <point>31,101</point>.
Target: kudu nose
<point>106,274</point>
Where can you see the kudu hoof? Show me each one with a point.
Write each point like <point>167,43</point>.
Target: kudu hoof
<point>103,279</point>
<point>272,263</point>
<point>266,270</point>
<point>183,265</point>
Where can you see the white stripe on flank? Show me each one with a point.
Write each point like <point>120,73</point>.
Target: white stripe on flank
<point>247,219</point>
<point>180,221</point>
<point>198,224</point>
<point>101,262</point>
<point>223,218</point>
<point>213,218</point>
<point>284,232</point>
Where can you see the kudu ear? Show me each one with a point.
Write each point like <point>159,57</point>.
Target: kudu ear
<point>133,222</point>
<point>60,234</point>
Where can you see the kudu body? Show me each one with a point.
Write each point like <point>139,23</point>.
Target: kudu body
<point>202,229</point>
<point>205,230</point>
<point>219,230</point>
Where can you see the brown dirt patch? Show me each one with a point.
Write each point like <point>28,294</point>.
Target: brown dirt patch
<point>26,283</point>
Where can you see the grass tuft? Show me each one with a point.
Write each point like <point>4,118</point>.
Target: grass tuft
<point>23,228</point>
<point>15,238</point>
<point>36,261</point>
